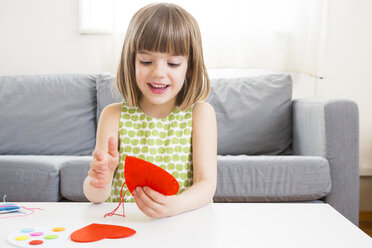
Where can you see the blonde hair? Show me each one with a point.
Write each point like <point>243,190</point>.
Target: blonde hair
<point>165,28</point>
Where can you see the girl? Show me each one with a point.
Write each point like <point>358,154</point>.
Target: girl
<point>163,119</point>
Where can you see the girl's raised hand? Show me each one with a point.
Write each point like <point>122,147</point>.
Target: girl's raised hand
<point>104,164</point>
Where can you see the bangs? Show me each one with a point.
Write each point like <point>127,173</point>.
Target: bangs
<point>164,31</point>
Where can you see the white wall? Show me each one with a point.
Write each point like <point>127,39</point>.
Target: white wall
<point>348,65</point>
<point>41,37</point>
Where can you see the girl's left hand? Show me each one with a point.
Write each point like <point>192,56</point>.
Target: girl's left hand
<point>153,203</point>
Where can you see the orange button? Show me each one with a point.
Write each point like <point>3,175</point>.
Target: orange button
<point>58,229</point>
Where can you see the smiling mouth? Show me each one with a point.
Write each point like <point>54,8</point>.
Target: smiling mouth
<point>158,88</point>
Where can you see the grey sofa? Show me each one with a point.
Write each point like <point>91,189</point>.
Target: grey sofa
<point>270,148</point>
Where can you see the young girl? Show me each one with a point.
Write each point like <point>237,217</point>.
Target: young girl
<point>163,119</point>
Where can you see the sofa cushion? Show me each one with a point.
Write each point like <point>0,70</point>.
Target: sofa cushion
<point>253,114</point>
<point>240,178</point>
<point>272,178</point>
<point>107,92</point>
<point>48,114</point>
<point>73,174</point>
<point>30,178</point>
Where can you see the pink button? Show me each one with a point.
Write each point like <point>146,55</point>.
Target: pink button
<point>36,234</point>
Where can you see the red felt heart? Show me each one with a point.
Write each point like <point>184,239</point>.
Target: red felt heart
<point>95,232</point>
<point>140,173</point>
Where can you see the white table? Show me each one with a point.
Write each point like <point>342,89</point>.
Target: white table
<point>215,225</point>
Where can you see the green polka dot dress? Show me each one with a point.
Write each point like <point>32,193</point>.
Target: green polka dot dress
<point>164,142</point>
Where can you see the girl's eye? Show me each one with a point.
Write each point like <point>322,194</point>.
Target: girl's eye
<point>146,62</point>
<point>173,65</point>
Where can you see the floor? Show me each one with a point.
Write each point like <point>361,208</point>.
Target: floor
<point>366,226</point>
<point>365,222</point>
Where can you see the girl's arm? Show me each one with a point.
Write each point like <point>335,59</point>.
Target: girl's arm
<point>204,156</point>
<point>97,185</point>
<point>204,142</point>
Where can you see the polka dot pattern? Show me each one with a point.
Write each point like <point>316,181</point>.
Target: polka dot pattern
<point>165,142</point>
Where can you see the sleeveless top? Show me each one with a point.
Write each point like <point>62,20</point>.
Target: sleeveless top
<point>165,142</point>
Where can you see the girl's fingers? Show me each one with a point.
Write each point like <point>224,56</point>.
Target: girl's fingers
<point>96,183</point>
<point>96,174</point>
<point>143,207</point>
<point>113,163</point>
<point>113,148</point>
<point>98,166</point>
<point>103,162</point>
<point>154,195</point>
<point>92,174</point>
<point>98,179</point>
<point>98,155</point>
<point>94,154</point>
<point>150,203</point>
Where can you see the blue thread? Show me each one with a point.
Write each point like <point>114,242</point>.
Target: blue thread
<point>6,207</point>
<point>5,203</point>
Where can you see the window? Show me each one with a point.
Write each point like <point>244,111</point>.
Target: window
<point>95,16</point>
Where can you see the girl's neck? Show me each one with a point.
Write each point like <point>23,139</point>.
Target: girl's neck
<point>156,110</point>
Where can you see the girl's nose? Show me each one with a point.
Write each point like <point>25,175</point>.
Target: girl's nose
<point>158,70</point>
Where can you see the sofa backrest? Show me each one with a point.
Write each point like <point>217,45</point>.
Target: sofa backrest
<point>107,92</point>
<point>253,113</point>
<point>47,114</point>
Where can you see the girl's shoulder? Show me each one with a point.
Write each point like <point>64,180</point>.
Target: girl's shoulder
<point>203,113</point>
<point>113,108</point>
<point>202,107</point>
<point>111,112</point>
<point>204,122</point>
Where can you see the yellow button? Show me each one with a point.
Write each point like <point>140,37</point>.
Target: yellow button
<point>21,238</point>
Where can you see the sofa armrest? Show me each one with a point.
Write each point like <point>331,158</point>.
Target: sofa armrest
<point>330,129</point>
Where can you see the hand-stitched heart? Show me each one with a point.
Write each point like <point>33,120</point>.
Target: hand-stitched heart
<point>140,173</point>
<point>95,232</point>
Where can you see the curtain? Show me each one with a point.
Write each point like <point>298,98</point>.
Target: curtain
<point>280,35</point>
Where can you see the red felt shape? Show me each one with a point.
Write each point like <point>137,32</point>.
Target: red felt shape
<point>95,232</point>
<point>140,173</point>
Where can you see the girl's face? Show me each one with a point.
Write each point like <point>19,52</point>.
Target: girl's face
<point>160,76</point>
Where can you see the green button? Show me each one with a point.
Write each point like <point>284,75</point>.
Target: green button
<point>50,236</point>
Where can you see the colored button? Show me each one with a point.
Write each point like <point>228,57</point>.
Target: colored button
<point>27,230</point>
<point>50,237</point>
<point>36,242</point>
<point>37,234</point>
<point>59,229</point>
<point>21,238</point>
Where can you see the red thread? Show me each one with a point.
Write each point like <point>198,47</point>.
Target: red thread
<point>120,202</point>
